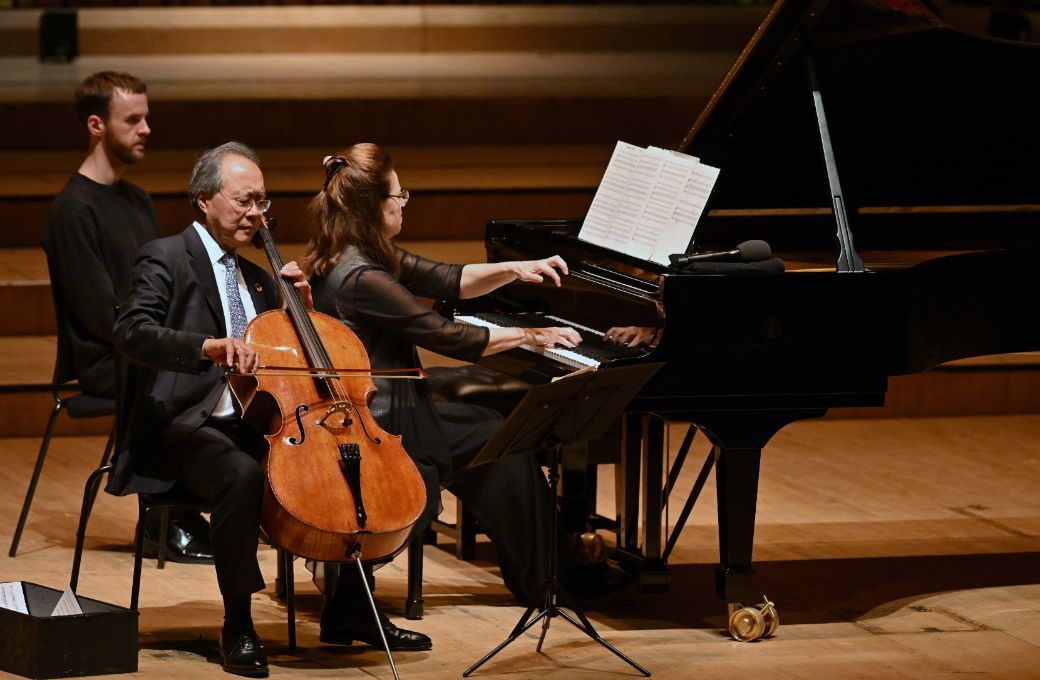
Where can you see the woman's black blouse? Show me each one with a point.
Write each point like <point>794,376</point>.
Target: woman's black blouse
<point>385,314</point>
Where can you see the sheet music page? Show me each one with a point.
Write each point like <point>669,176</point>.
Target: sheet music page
<point>656,220</point>
<point>635,199</point>
<point>687,212</point>
<point>12,596</point>
<point>610,193</point>
<point>68,605</point>
<point>648,202</point>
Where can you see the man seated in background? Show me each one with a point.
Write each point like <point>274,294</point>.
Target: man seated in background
<point>93,231</point>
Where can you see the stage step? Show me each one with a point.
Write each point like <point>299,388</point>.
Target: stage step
<point>26,306</point>
<point>390,29</point>
<point>455,189</point>
<point>329,76</point>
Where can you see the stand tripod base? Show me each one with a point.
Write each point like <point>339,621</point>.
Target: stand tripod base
<point>545,615</point>
<point>550,416</point>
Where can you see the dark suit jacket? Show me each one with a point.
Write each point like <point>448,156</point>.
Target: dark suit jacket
<point>172,307</point>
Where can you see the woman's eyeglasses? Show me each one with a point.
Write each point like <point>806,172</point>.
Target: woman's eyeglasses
<point>402,197</point>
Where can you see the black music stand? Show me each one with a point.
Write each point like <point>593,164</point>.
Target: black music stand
<point>578,407</point>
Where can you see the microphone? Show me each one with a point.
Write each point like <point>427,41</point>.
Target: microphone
<point>748,251</point>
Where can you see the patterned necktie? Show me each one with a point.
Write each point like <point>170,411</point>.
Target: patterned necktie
<point>237,312</point>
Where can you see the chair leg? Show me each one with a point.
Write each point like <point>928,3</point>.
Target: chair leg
<point>279,579</point>
<point>138,553</point>
<point>89,492</point>
<point>164,526</point>
<point>290,596</point>
<point>35,477</point>
<point>413,609</point>
<point>104,461</point>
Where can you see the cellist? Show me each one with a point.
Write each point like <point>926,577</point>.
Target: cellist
<point>189,302</point>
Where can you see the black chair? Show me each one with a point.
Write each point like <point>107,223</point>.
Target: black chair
<point>414,606</point>
<point>77,405</point>
<point>146,503</point>
<point>164,502</point>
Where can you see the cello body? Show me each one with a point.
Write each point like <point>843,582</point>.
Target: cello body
<point>338,487</point>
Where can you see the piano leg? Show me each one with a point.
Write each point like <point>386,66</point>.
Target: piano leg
<point>738,440</point>
<point>736,481</point>
<point>654,575</point>
<point>626,485</point>
<point>641,474</point>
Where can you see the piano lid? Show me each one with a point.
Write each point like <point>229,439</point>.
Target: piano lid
<point>921,115</point>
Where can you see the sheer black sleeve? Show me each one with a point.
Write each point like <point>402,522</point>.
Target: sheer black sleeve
<point>374,297</point>
<point>429,278</point>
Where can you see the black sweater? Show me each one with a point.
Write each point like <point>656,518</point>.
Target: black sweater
<point>92,234</point>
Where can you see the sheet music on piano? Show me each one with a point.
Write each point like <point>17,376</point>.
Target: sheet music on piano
<point>648,202</point>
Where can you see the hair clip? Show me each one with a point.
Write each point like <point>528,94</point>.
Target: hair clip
<point>332,165</point>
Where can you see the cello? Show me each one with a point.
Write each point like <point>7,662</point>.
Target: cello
<point>338,487</point>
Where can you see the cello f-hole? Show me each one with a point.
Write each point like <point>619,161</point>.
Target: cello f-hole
<point>302,408</point>
<point>374,440</point>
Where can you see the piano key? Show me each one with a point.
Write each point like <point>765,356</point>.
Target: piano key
<point>569,356</point>
<point>593,350</point>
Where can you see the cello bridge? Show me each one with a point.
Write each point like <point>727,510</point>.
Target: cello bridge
<point>337,407</point>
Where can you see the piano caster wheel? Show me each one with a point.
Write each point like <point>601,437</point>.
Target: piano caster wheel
<point>747,624</point>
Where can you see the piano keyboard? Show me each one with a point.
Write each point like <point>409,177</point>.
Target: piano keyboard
<point>592,351</point>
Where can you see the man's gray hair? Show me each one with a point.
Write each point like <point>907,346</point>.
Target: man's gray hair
<point>206,177</point>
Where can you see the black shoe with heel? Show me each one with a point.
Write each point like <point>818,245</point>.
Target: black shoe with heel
<point>346,631</point>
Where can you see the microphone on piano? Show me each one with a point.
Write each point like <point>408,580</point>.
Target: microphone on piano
<point>748,251</point>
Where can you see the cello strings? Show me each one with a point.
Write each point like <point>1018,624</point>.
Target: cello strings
<point>312,345</point>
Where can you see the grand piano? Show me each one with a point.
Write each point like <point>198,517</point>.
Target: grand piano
<point>891,160</point>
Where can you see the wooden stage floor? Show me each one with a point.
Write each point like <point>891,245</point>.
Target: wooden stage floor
<point>893,549</point>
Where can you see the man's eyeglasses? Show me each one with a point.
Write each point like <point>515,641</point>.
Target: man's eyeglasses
<point>246,203</point>
<point>402,197</point>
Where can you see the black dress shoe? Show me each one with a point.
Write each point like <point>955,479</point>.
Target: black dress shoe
<point>242,654</point>
<point>181,544</point>
<point>365,630</point>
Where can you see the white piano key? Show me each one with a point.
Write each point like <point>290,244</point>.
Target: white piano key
<point>560,354</point>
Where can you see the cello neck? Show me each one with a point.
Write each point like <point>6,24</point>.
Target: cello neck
<point>317,356</point>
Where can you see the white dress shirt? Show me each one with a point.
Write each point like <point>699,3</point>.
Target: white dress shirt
<point>225,407</point>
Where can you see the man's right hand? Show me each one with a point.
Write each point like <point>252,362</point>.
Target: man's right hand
<point>231,352</point>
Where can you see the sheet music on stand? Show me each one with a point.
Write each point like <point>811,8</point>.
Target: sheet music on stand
<point>648,202</point>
